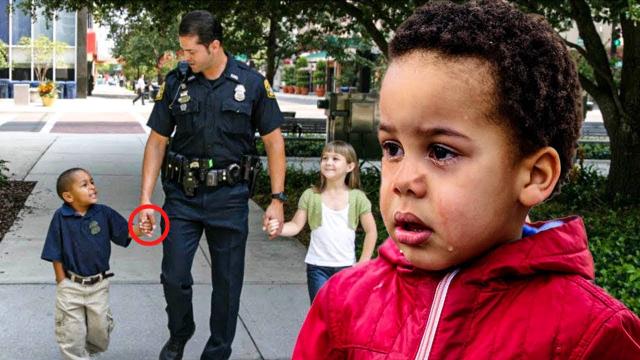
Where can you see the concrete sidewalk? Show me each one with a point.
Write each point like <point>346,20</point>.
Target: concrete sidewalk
<point>274,299</point>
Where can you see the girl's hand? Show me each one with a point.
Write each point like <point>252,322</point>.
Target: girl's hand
<point>272,227</point>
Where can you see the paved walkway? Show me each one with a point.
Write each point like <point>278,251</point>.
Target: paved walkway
<point>274,298</point>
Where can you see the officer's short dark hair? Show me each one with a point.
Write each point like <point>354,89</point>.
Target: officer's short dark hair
<point>65,180</point>
<point>203,24</point>
<point>537,93</point>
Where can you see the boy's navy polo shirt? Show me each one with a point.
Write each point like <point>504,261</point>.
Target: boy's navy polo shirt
<point>83,243</point>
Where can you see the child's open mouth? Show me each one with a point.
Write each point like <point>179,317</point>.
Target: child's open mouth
<point>410,230</point>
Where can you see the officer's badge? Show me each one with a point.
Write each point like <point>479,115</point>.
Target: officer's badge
<point>267,87</point>
<point>160,93</point>
<point>239,92</point>
<point>94,227</point>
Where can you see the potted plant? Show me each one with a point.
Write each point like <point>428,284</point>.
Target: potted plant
<point>47,92</point>
<point>319,78</point>
<point>302,76</point>
<point>302,81</point>
<point>288,76</point>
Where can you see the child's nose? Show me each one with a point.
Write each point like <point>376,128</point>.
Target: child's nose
<point>410,180</point>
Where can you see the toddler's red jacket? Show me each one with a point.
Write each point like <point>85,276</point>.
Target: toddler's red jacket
<point>530,299</point>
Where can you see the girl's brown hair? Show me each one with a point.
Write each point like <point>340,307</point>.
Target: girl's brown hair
<point>345,149</point>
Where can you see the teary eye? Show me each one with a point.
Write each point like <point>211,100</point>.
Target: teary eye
<point>392,150</point>
<point>442,154</point>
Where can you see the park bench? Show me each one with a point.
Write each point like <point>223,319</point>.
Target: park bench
<point>298,127</point>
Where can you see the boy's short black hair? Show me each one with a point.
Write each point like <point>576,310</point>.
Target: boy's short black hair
<point>537,88</point>
<point>203,24</point>
<point>65,180</point>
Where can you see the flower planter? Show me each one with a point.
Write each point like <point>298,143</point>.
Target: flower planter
<point>320,90</point>
<point>48,101</point>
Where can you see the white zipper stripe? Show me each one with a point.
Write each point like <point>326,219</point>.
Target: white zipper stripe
<point>434,316</point>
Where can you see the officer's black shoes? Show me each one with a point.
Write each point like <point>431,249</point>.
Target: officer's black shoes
<point>173,349</point>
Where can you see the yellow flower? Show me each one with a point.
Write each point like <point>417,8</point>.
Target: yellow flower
<point>47,89</point>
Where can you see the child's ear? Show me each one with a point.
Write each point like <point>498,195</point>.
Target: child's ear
<point>67,197</point>
<point>351,166</point>
<point>539,175</point>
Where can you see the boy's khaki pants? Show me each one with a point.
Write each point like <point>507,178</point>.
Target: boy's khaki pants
<point>83,318</point>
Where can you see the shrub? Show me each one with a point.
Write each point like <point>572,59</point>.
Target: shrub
<point>298,148</point>
<point>594,151</point>
<point>289,75</point>
<point>4,178</point>
<point>302,78</point>
<point>319,75</point>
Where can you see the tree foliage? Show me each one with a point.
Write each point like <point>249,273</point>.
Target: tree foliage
<point>140,42</point>
<point>43,53</point>
<point>272,29</point>
<point>4,55</point>
<point>617,92</point>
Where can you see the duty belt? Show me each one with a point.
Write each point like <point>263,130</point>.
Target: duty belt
<point>194,172</point>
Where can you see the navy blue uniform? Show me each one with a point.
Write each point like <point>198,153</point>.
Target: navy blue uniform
<point>83,243</point>
<point>214,120</point>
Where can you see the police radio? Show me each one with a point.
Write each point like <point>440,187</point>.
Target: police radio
<point>184,73</point>
<point>183,70</point>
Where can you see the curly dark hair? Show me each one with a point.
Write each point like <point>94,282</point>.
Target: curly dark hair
<point>537,89</point>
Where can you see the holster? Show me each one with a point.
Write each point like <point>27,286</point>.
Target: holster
<point>251,165</point>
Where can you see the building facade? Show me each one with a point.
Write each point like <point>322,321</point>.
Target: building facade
<point>22,39</point>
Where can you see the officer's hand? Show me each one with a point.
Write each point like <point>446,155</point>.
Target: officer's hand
<point>146,216</point>
<point>145,227</point>
<point>274,224</point>
<point>275,211</point>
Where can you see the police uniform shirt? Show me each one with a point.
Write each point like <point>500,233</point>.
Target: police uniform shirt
<point>82,243</point>
<point>216,121</point>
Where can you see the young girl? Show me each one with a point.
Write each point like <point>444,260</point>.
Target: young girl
<point>332,211</point>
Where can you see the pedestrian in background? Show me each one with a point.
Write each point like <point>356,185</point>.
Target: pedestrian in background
<point>140,85</point>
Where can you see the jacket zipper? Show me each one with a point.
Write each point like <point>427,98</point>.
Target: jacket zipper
<point>434,316</point>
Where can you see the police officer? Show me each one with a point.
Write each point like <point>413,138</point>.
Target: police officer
<point>215,105</point>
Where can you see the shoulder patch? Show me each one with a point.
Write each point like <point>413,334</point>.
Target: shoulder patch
<point>267,87</point>
<point>160,92</point>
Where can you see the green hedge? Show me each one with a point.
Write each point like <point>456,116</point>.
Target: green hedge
<point>614,230</point>
<point>302,147</point>
<point>594,151</point>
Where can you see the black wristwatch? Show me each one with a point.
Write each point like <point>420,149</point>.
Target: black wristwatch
<point>280,196</point>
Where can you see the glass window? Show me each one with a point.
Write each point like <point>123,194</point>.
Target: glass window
<point>21,23</point>
<point>4,21</point>
<point>66,28</point>
<point>43,26</point>
<point>21,63</point>
<point>65,64</point>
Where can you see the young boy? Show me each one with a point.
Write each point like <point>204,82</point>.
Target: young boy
<point>480,113</point>
<point>78,244</point>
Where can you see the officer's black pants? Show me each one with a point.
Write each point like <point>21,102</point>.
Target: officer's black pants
<point>222,214</point>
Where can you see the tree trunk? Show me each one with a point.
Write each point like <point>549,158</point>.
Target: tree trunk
<point>271,48</point>
<point>624,173</point>
<point>82,75</point>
